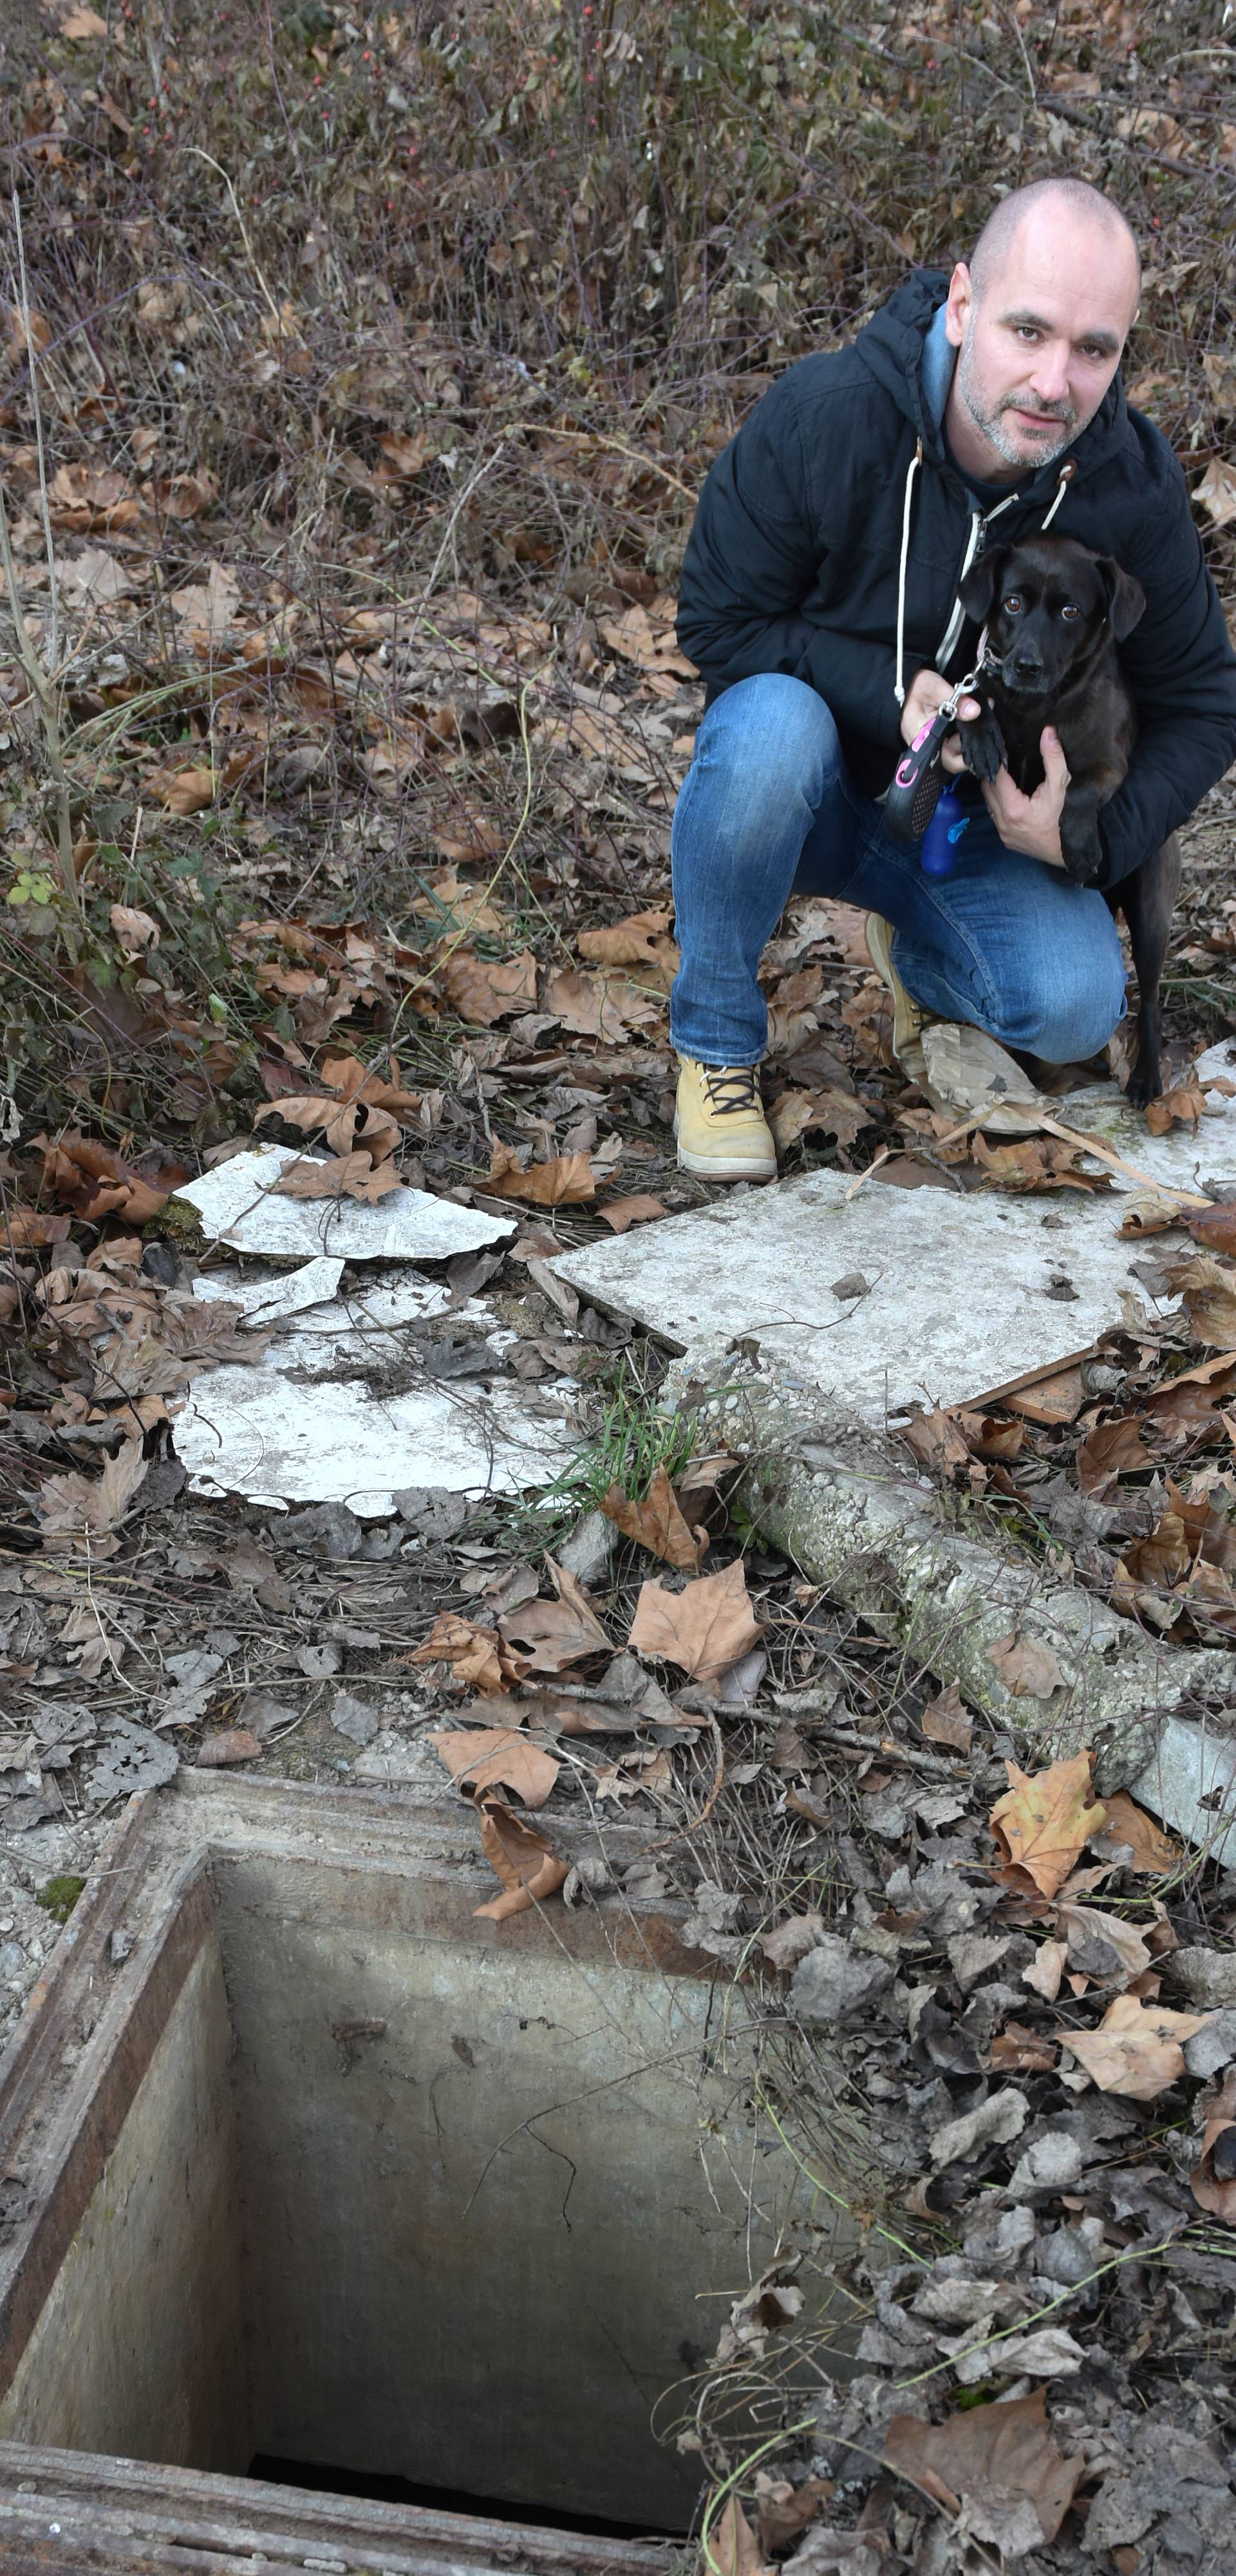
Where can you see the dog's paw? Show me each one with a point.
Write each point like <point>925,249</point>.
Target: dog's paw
<point>1145,1082</point>
<point>982,745</point>
<point>1082,861</point>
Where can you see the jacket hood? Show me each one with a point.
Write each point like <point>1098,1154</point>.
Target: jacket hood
<point>891,346</point>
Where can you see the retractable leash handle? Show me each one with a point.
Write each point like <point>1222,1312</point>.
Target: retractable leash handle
<point>919,781</point>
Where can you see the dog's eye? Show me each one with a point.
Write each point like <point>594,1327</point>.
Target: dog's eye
<point>1069,613</point>
<point>1012,603</point>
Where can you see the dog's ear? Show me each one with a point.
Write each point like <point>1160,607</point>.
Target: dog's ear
<point>1125,597</point>
<point>982,583</point>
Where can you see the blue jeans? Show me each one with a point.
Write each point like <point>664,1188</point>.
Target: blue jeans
<point>767,810</point>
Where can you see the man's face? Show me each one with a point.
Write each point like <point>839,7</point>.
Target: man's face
<point>1038,348</point>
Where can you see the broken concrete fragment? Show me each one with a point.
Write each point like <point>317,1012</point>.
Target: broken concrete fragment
<point>1208,1977</point>
<point>264,1301</point>
<point>235,1205</point>
<point>967,1292</point>
<point>1191,1781</point>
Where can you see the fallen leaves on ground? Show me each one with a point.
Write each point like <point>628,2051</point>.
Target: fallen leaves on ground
<point>348,1176</point>
<point>1043,1822</point>
<point>733,2546</point>
<point>1213,2179</point>
<point>482,992</point>
<point>564,1181</point>
<point>1136,2049</point>
<point>484,1758</point>
<point>1208,1290</point>
<point>1153,1854</point>
<point>85,1512</point>
<point>520,1857</point>
<point>656,1522</point>
<point>476,1654</point>
<point>1000,2462</point>
<point>237,1745</point>
<point>551,1636</point>
<point>947,1720</point>
<point>356,1108</point>
<point>704,1629</point>
<point>95,1181</point>
<point>638,1209</point>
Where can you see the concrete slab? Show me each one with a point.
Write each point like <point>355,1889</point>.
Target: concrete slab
<point>945,1296</point>
<point>1187,1158</point>
<point>265,1301</point>
<point>306,1302</point>
<point>235,1205</point>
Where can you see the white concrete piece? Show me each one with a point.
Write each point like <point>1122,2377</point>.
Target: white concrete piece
<point>266,1301</point>
<point>235,1205</point>
<point>1191,1784</point>
<point>959,1297</point>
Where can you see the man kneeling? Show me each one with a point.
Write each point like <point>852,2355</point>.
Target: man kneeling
<point>819,602</point>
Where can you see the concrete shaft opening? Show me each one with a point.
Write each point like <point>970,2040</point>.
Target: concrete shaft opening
<point>304,2161</point>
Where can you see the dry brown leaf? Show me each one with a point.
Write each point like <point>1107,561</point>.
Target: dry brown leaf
<point>790,1941</point>
<point>732,2544</point>
<point>946,1720</point>
<point>24,1229</point>
<point>550,1636</point>
<point>237,1745</point>
<point>704,1629</point>
<point>563,1182</point>
<point>597,1006</point>
<point>785,2510</point>
<point>136,931</point>
<point>835,1113</point>
<point>319,1112</point>
<point>638,1209</point>
<point>1181,1107</point>
<point>995,2458</point>
<point>1046,1970</point>
<point>482,992</point>
<point>1085,1928</point>
<point>657,1523</point>
<point>1209,1295</point>
<point>1015,2050</point>
<point>1213,2179</point>
<point>1028,1668</point>
<point>482,1758</point>
<point>477,1654</point>
<point>626,943</point>
<point>350,1176</point>
<point>95,1181</point>
<point>521,1858</point>
<point>1214,1227</point>
<point>1111,1450</point>
<point>935,1439</point>
<point>85,1512</point>
<point>1155,1855</point>
<point>1042,1823</point>
<point>1136,2049</point>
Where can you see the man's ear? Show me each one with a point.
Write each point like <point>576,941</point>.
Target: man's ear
<point>1125,597</point>
<point>982,583</point>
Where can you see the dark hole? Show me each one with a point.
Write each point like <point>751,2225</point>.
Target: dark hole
<point>383,2490</point>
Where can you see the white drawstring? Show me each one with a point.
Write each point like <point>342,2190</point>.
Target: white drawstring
<point>899,691</point>
<point>978,522</point>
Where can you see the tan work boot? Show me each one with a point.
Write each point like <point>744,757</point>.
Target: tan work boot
<point>960,1070</point>
<point>720,1124</point>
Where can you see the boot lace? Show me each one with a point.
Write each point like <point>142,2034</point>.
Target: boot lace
<point>731,1088</point>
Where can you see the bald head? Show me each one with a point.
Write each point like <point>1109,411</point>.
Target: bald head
<point>1054,206</point>
<point>1039,317</point>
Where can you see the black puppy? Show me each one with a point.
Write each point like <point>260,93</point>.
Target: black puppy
<point>1054,614</point>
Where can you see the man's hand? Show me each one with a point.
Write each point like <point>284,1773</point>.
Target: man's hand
<point>1031,823</point>
<point>923,699</point>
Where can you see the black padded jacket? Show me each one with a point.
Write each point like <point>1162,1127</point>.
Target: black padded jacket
<point>792,564</point>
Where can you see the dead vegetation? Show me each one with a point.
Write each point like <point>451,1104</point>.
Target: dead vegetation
<point>357,386</point>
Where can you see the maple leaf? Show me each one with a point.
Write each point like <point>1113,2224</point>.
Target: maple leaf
<point>476,1653</point>
<point>597,1006</point>
<point>1042,1823</point>
<point>521,1857</point>
<point>704,1629</point>
<point>656,1522</point>
<point>76,1509</point>
<point>351,1176</point>
<point>1136,2049</point>
<point>493,1757</point>
<point>553,1635</point>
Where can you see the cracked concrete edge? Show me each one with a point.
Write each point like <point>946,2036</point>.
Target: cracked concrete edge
<point>877,1537</point>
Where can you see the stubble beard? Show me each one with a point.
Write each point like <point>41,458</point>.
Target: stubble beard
<point>990,425</point>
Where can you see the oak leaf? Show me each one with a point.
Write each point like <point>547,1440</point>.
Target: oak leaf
<point>704,1629</point>
<point>521,1858</point>
<point>1136,2049</point>
<point>1042,1823</point>
<point>656,1522</point>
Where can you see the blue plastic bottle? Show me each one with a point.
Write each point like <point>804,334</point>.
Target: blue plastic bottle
<point>948,823</point>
